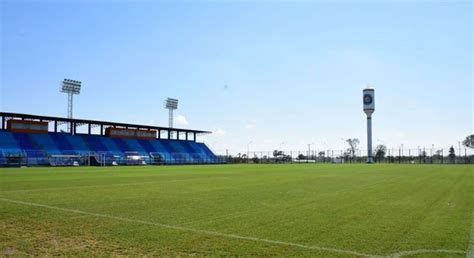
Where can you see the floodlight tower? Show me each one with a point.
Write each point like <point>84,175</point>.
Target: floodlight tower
<point>71,87</point>
<point>171,104</point>
<point>369,108</point>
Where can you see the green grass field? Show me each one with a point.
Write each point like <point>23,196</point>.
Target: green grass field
<point>249,210</point>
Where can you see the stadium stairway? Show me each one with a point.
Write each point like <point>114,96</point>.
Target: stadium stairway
<point>38,147</point>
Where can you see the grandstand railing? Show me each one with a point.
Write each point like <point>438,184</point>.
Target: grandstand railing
<point>75,158</point>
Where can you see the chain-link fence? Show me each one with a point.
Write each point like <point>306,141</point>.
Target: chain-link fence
<point>390,155</point>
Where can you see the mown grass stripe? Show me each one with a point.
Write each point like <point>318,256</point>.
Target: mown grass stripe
<point>200,231</point>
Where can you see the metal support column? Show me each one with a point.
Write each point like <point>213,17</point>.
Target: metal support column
<point>69,110</point>
<point>369,140</point>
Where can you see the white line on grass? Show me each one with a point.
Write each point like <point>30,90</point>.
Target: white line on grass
<point>424,251</point>
<point>200,231</point>
<point>470,250</point>
<point>234,236</point>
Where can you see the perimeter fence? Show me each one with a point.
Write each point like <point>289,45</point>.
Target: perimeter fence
<point>391,155</point>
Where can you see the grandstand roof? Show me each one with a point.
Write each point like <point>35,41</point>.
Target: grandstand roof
<point>80,122</point>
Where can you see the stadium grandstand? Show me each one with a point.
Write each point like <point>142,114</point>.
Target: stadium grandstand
<point>33,140</point>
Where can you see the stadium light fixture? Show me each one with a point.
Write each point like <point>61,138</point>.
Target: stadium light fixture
<point>71,88</point>
<point>171,104</point>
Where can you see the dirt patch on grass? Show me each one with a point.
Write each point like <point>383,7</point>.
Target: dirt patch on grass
<point>18,238</point>
<point>8,251</point>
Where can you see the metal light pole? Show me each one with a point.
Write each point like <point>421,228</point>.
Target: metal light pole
<point>171,104</point>
<point>368,96</point>
<point>459,143</point>
<point>309,150</point>
<point>248,149</point>
<point>71,88</point>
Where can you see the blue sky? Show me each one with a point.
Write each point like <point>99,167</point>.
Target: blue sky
<point>261,71</point>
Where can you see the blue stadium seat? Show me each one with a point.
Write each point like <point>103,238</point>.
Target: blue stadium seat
<point>136,146</point>
<point>94,143</point>
<point>45,142</point>
<point>164,150</point>
<point>63,144</point>
<point>196,157</point>
<point>120,143</point>
<point>78,143</point>
<point>36,149</point>
<point>147,146</point>
<point>24,141</point>
<point>8,143</point>
<point>2,159</point>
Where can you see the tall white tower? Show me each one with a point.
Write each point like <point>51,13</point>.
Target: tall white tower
<point>368,96</point>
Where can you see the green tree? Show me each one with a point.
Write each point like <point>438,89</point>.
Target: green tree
<point>452,154</point>
<point>277,153</point>
<point>380,152</point>
<point>255,159</point>
<point>469,141</point>
<point>353,144</point>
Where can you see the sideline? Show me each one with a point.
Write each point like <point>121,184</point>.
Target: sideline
<point>204,232</point>
<point>469,253</point>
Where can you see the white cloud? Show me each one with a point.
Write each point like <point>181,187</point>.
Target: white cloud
<point>181,120</point>
<point>219,132</point>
